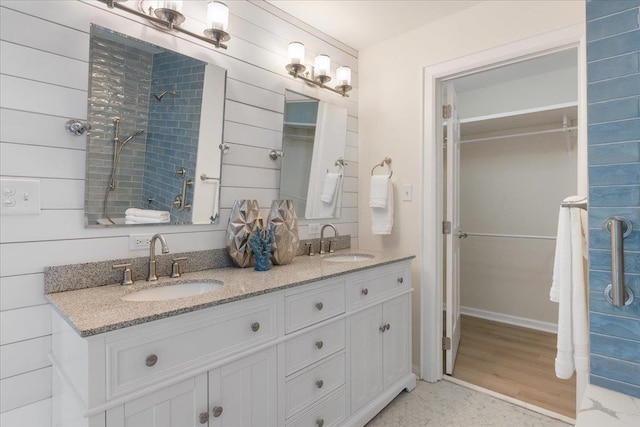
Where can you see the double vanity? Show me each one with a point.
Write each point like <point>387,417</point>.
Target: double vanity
<point>323,341</point>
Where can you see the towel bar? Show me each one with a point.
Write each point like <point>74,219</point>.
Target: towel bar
<point>385,161</point>
<point>616,292</point>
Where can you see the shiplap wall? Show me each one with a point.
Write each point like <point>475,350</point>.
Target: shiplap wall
<point>44,52</point>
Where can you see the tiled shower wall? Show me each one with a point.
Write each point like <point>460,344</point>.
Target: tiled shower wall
<point>174,124</point>
<point>613,74</point>
<point>120,82</point>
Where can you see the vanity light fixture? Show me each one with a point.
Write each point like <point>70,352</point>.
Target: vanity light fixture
<point>320,72</point>
<point>167,15</point>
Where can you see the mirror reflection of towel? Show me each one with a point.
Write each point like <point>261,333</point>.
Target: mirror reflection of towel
<point>330,195</point>
<point>381,217</point>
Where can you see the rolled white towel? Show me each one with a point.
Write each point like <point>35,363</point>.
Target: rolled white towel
<point>379,192</point>
<point>132,219</point>
<point>329,187</point>
<point>147,213</point>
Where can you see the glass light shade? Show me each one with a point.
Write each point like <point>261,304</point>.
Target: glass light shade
<point>296,53</point>
<point>218,15</point>
<point>343,76</point>
<point>322,64</point>
<point>170,4</point>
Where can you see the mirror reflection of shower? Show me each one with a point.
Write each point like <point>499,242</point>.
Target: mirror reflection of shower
<point>161,95</point>
<point>118,145</point>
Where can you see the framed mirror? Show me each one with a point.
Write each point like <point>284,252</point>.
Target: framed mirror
<point>153,152</point>
<point>313,143</point>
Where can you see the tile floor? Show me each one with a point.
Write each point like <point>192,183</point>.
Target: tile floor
<point>448,404</point>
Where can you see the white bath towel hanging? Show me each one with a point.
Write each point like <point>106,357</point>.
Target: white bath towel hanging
<point>328,209</point>
<point>329,187</point>
<point>379,191</point>
<point>568,289</point>
<point>382,217</point>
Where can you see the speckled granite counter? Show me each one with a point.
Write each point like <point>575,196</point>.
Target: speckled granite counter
<point>100,309</point>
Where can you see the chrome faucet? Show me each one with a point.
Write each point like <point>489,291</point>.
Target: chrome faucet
<point>335,234</point>
<point>152,255</point>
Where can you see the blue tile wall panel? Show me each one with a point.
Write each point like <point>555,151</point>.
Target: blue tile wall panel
<point>613,97</point>
<point>174,124</point>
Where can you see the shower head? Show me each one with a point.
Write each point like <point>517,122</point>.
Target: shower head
<point>160,95</point>
<point>133,135</point>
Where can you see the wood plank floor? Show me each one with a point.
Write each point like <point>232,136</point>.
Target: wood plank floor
<point>513,361</point>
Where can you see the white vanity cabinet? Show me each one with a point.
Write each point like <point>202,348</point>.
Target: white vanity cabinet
<point>329,353</point>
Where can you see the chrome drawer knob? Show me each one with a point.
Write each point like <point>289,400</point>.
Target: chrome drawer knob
<point>383,328</point>
<point>151,360</point>
<point>217,411</point>
<point>319,422</point>
<point>365,291</point>
<point>387,326</point>
<point>204,417</point>
<point>255,326</point>
<point>319,306</point>
<point>401,280</point>
<point>319,344</point>
<point>319,383</point>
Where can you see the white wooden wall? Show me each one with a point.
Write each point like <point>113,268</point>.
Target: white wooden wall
<point>44,80</point>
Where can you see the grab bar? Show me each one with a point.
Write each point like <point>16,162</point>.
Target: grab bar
<point>616,292</point>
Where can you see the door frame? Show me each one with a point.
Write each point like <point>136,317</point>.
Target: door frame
<point>432,274</point>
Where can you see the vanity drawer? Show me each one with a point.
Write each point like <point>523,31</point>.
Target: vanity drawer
<point>315,305</point>
<point>329,413</point>
<point>374,286</point>
<point>155,353</point>
<point>314,384</point>
<point>309,348</point>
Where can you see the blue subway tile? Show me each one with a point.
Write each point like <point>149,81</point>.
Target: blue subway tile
<point>599,239</point>
<point>618,386</point>
<point>614,110</point>
<point>608,154</point>
<point>613,46</point>
<point>613,24</point>
<point>626,130</point>
<point>600,8</point>
<point>615,196</point>
<point>601,260</point>
<point>621,87</point>
<point>621,327</point>
<point>615,369</point>
<point>605,345</point>
<point>611,175</point>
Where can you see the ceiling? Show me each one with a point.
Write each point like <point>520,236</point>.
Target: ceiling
<point>362,23</point>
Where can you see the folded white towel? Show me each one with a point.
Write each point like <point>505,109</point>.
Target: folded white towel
<point>569,290</point>
<point>146,213</point>
<point>379,191</point>
<point>328,209</point>
<point>382,218</point>
<point>132,219</point>
<point>329,187</point>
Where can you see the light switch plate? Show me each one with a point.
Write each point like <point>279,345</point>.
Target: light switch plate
<point>20,196</point>
<point>407,192</point>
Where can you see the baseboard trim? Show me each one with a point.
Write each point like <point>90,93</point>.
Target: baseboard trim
<point>511,320</point>
<point>511,400</point>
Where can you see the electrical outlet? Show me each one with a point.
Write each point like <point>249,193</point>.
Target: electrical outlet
<point>313,229</point>
<point>139,242</point>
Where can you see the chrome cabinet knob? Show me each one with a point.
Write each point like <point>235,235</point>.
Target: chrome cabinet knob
<point>401,280</point>
<point>217,411</point>
<point>319,383</point>
<point>151,360</point>
<point>365,291</point>
<point>319,306</point>
<point>387,326</point>
<point>319,422</point>
<point>382,328</point>
<point>319,344</point>
<point>204,417</point>
<point>255,326</point>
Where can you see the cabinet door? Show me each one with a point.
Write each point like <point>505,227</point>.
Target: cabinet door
<point>244,392</point>
<point>366,356</point>
<point>179,405</point>
<point>396,357</point>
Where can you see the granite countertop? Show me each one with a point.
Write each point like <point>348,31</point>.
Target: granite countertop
<point>100,309</point>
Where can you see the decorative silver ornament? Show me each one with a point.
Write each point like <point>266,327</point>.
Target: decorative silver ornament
<point>285,231</point>
<point>245,217</point>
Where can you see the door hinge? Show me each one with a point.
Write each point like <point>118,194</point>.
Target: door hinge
<point>446,227</point>
<point>446,111</point>
<point>446,343</point>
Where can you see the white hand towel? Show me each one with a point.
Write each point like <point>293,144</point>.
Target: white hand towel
<point>147,213</point>
<point>132,219</point>
<point>328,209</point>
<point>382,218</point>
<point>379,191</point>
<point>569,290</point>
<point>329,187</point>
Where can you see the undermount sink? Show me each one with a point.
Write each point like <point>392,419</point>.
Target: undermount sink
<point>349,258</point>
<point>180,290</point>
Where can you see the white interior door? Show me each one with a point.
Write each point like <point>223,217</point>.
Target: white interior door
<point>452,276</point>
